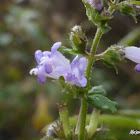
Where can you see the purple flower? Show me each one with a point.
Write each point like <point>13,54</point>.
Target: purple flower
<point>76,74</point>
<point>53,64</point>
<point>133,54</point>
<point>96,4</point>
<point>50,64</point>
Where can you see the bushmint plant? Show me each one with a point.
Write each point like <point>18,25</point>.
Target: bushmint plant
<point>75,77</point>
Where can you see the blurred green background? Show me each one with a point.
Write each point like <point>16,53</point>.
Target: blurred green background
<point>28,25</point>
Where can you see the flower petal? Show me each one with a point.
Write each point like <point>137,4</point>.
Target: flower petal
<point>62,70</point>
<point>87,1</point>
<point>133,53</point>
<point>78,66</point>
<point>59,59</point>
<point>74,63</point>
<point>82,82</point>
<point>48,68</point>
<point>55,47</point>
<point>70,78</point>
<point>41,78</point>
<point>47,53</point>
<point>82,65</point>
<point>137,68</point>
<point>38,55</point>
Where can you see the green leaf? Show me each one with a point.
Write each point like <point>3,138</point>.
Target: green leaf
<point>97,90</point>
<point>91,13</point>
<point>126,8</point>
<point>75,52</point>
<point>101,102</point>
<point>63,49</point>
<point>111,65</point>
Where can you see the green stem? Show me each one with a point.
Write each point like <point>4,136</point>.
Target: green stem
<point>83,110</point>
<point>113,6</point>
<point>82,122</point>
<point>92,53</point>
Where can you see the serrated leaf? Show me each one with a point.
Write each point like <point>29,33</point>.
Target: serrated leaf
<point>91,13</point>
<point>101,102</point>
<point>97,90</point>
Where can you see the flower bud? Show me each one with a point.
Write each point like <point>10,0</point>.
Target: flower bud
<point>114,54</point>
<point>97,4</point>
<point>78,39</point>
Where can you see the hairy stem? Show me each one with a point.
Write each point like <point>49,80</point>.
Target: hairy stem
<point>92,53</point>
<point>82,122</point>
<point>82,115</point>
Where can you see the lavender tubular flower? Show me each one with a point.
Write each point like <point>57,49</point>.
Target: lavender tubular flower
<point>53,64</point>
<point>50,64</point>
<point>133,54</point>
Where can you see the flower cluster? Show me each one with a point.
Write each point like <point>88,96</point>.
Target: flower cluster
<point>53,64</point>
<point>133,54</point>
